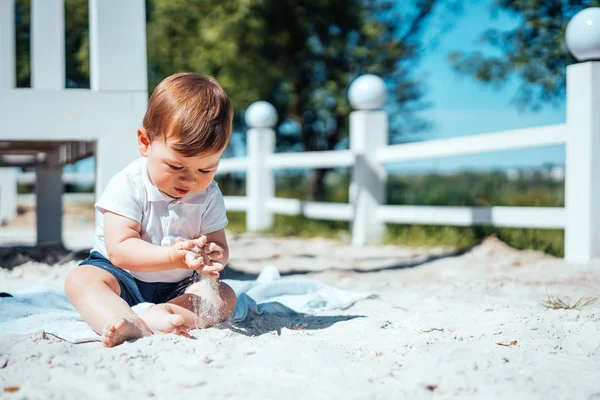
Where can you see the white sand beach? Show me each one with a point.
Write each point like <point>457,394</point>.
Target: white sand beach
<point>465,326</point>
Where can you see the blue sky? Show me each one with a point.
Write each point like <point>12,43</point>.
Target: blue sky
<point>461,106</point>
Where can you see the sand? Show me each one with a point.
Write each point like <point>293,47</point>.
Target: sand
<point>444,326</point>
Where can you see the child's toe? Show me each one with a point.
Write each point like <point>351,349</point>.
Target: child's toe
<point>109,331</point>
<point>177,321</point>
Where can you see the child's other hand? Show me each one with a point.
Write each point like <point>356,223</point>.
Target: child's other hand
<point>203,257</point>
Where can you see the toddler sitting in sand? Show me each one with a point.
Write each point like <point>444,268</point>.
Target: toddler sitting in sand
<point>162,222</point>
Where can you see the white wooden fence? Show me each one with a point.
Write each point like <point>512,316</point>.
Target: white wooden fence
<point>369,153</point>
<point>369,150</point>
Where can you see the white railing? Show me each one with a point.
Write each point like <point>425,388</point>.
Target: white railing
<point>311,159</point>
<point>369,153</point>
<point>74,178</point>
<point>522,217</point>
<point>466,145</point>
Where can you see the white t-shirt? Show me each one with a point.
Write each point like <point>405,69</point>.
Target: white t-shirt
<point>130,193</point>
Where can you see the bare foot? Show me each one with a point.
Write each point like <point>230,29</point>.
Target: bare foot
<point>161,319</point>
<point>124,329</point>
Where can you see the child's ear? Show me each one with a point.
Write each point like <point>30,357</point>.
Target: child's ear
<point>143,141</point>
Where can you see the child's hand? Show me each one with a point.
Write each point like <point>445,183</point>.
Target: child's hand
<point>182,255</point>
<point>204,257</point>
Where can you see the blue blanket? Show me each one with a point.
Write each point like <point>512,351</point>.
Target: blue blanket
<point>45,308</point>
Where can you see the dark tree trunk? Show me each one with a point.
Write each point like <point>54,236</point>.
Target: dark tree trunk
<point>317,189</point>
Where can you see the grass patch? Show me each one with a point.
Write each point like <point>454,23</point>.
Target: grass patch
<point>237,221</point>
<point>298,226</point>
<point>556,303</point>
<point>294,226</point>
<point>549,241</point>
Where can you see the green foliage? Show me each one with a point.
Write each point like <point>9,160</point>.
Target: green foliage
<point>475,189</point>
<point>547,240</point>
<point>534,51</point>
<point>22,32</point>
<point>299,55</point>
<point>293,226</point>
<point>77,44</point>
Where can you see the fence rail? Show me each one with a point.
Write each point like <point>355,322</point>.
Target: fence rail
<point>467,145</point>
<point>77,178</point>
<point>236,203</point>
<point>311,209</point>
<point>509,217</point>
<point>236,164</point>
<point>311,159</point>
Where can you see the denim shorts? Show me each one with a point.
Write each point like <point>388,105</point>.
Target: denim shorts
<point>134,291</point>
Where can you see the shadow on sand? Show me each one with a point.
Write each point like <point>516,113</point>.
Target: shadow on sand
<point>257,325</point>
<point>12,256</point>
<point>231,272</point>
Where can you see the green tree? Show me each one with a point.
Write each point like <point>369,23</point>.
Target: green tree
<point>299,55</point>
<point>534,51</point>
<point>76,43</point>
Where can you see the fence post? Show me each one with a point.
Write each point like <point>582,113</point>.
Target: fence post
<point>48,44</point>
<point>368,134</point>
<point>582,184</point>
<point>48,72</point>
<point>8,194</point>
<point>48,194</point>
<point>118,32</point>
<point>261,118</point>
<point>8,70</point>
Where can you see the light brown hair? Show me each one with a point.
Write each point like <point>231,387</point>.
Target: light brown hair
<point>192,109</point>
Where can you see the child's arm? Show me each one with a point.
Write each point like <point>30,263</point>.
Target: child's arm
<point>127,250</point>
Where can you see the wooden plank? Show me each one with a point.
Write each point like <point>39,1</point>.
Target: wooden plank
<point>517,217</point>
<point>316,210</point>
<point>475,144</point>
<point>312,159</point>
<point>236,203</point>
<point>234,164</point>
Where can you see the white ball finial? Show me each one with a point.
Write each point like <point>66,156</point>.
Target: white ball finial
<point>583,35</point>
<point>261,114</point>
<point>367,92</point>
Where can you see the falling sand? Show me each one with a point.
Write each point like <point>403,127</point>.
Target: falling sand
<point>206,303</point>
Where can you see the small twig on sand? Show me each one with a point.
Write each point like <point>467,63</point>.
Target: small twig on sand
<point>299,327</point>
<point>433,329</point>
<point>513,343</point>
<point>556,303</point>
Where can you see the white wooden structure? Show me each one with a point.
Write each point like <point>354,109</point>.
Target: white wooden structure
<point>49,126</point>
<point>108,114</point>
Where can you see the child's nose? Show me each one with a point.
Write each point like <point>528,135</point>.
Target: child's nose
<point>187,178</point>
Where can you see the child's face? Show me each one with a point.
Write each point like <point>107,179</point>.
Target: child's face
<point>173,174</point>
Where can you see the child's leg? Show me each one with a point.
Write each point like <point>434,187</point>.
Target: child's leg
<point>95,293</point>
<point>201,306</point>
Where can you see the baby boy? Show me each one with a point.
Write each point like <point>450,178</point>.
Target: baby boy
<point>162,223</point>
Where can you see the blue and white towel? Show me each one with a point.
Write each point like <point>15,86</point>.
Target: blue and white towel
<point>45,308</point>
